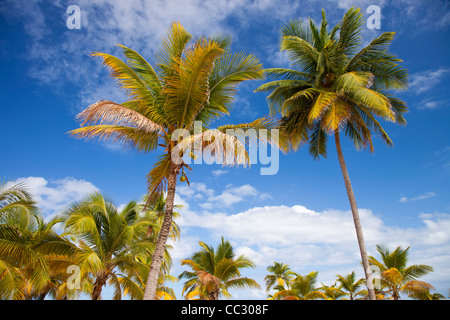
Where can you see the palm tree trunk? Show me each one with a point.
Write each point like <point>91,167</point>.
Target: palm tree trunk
<point>358,227</point>
<point>157,257</point>
<point>98,286</point>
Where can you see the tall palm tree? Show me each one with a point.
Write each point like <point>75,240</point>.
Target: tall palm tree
<point>351,285</point>
<point>191,81</point>
<point>281,274</point>
<point>300,288</point>
<point>215,271</point>
<point>336,89</point>
<point>399,277</point>
<point>109,240</point>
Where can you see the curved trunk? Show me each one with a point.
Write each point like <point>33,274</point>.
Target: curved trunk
<point>157,257</point>
<point>98,286</point>
<point>358,227</point>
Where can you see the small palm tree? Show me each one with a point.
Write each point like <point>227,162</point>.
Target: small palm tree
<point>333,292</point>
<point>397,276</point>
<point>214,271</point>
<point>300,288</point>
<point>335,89</point>
<point>109,240</point>
<point>351,285</point>
<point>281,274</point>
<point>191,81</point>
<point>426,295</point>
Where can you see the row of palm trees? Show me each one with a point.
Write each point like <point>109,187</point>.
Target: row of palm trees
<point>114,246</point>
<point>394,277</point>
<point>335,87</point>
<point>91,244</point>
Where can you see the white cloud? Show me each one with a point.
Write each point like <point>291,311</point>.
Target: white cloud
<point>421,82</point>
<point>219,172</point>
<point>208,199</point>
<point>428,104</point>
<point>420,197</point>
<point>53,196</point>
<point>233,195</point>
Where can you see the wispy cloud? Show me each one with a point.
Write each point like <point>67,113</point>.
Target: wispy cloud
<point>432,104</point>
<point>423,81</point>
<point>420,197</point>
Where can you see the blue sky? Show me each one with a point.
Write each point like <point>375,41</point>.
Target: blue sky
<point>300,216</point>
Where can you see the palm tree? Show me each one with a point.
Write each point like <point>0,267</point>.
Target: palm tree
<point>215,271</point>
<point>135,281</point>
<point>397,276</point>
<point>351,285</point>
<point>280,274</point>
<point>109,240</point>
<point>33,257</point>
<point>300,288</point>
<point>332,292</point>
<point>191,81</point>
<point>336,89</point>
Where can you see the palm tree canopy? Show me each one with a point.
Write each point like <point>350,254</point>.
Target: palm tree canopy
<point>350,284</point>
<point>33,256</point>
<point>398,259</point>
<point>192,80</point>
<point>110,240</point>
<point>15,200</point>
<point>280,273</point>
<point>397,275</point>
<point>333,87</point>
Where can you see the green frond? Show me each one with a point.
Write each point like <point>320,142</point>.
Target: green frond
<point>172,47</point>
<point>322,102</point>
<point>126,77</point>
<point>301,53</point>
<point>187,88</point>
<point>350,29</point>
<point>129,137</point>
<point>157,177</point>
<point>144,70</point>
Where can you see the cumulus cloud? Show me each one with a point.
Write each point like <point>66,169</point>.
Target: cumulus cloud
<point>54,195</point>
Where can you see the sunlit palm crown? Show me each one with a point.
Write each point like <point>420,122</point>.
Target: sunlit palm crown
<point>333,86</point>
<point>192,80</point>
